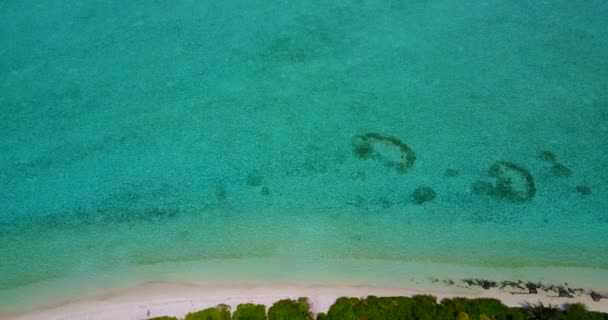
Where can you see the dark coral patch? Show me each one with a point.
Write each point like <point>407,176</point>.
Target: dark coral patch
<point>254,178</point>
<point>557,169</point>
<point>561,170</point>
<point>265,191</point>
<point>583,190</point>
<point>221,194</point>
<point>547,156</point>
<point>451,173</point>
<point>358,202</point>
<point>513,183</point>
<point>385,203</point>
<point>390,151</point>
<point>382,202</point>
<point>363,149</point>
<point>423,194</point>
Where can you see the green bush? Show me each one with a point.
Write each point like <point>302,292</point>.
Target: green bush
<point>250,311</point>
<point>462,316</point>
<point>290,310</point>
<point>386,308</point>
<point>346,309</point>
<point>426,308</point>
<point>389,307</point>
<point>221,312</point>
<point>476,308</point>
<point>422,307</point>
<point>542,312</point>
<point>578,311</point>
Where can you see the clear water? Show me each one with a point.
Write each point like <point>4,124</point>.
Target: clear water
<point>146,135</point>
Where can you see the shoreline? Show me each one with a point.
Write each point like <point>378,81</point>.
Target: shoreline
<point>130,293</point>
<point>154,299</point>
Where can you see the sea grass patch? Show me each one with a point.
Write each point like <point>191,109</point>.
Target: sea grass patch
<point>390,151</point>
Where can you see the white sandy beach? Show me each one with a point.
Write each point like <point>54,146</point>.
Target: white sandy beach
<point>177,299</point>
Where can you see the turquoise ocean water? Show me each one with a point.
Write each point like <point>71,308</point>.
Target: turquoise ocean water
<point>285,140</point>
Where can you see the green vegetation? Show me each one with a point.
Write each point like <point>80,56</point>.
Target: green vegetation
<point>462,316</point>
<point>290,310</point>
<point>481,308</point>
<point>426,307</point>
<point>221,312</point>
<point>250,311</point>
<point>421,307</point>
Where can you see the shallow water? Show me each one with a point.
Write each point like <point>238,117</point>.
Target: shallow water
<point>165,133</point>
